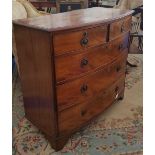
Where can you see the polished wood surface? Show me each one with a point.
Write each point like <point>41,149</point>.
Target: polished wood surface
<point>117,45</point>
<point>74,19</point>
<point>69,41</point>
<point>81,113</point>
<point>89,59</point>
<point>119,27</point>
<point>85,88</point>
<point>71,69</point>
<point>36,73</point>
<point>86,61</point>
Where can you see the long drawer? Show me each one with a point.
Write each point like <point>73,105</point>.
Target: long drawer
<point>73,65</point>
<point>71,40</point>
<point>83,89</point>
<point>77,116</point>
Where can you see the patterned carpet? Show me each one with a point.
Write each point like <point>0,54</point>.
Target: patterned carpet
<point>118,131</point>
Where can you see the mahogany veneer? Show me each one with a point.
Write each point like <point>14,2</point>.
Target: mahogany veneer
<point>72,67</point>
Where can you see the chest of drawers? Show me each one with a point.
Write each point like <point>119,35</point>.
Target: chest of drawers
<point>72,67</point>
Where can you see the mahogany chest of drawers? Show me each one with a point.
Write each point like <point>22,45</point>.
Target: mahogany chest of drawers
<point>72,67</point>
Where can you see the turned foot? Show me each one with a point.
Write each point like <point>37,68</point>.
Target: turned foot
<point>58,143</point>
<point>121,96</point>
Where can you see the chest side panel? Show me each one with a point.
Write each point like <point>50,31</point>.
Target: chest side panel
<point>37,77</point>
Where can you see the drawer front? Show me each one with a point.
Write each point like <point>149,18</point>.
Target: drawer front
<point>76,40</point>
<point>74,65</point>
<point>70,66</point>
<point>118,45</point>
<point>73,118</point>
<point>119,27</point>
<point>83,89</point>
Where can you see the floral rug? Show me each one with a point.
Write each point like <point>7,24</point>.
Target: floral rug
<point>118,131</point>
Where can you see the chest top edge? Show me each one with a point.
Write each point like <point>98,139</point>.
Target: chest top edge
<point>74,19</point>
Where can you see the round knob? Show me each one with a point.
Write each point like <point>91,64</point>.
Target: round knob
<point>84,41</point>
<point>84,88</point>
<point>84,62</point>
<point>83,112</point>
<point>118,68</point>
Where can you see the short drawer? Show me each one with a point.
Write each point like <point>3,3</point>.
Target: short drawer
<point>73,118</point>
<point>118,45</point>
<point>82,89</point>
<point>75,40</point>
<point>119,27</point>
<point>73,65</point>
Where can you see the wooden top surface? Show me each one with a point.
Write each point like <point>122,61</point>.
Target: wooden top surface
<point>74,19</point>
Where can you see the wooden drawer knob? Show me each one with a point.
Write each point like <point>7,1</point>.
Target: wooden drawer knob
<point>84,88</point>
<point>83,112</point>
<point>84,62</point>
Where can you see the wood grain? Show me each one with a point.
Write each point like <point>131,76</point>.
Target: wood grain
<point>118,45</point>
<point>83,112</point>
<point>74,19</point>
<point>36,75</point>
<point>95,58</point>
<point>69,94</point>
<point>119,27</point>
<point>69,41</point>
<point>72,67</point>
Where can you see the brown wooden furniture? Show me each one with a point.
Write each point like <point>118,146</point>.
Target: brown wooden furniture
<point>72,67</point>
